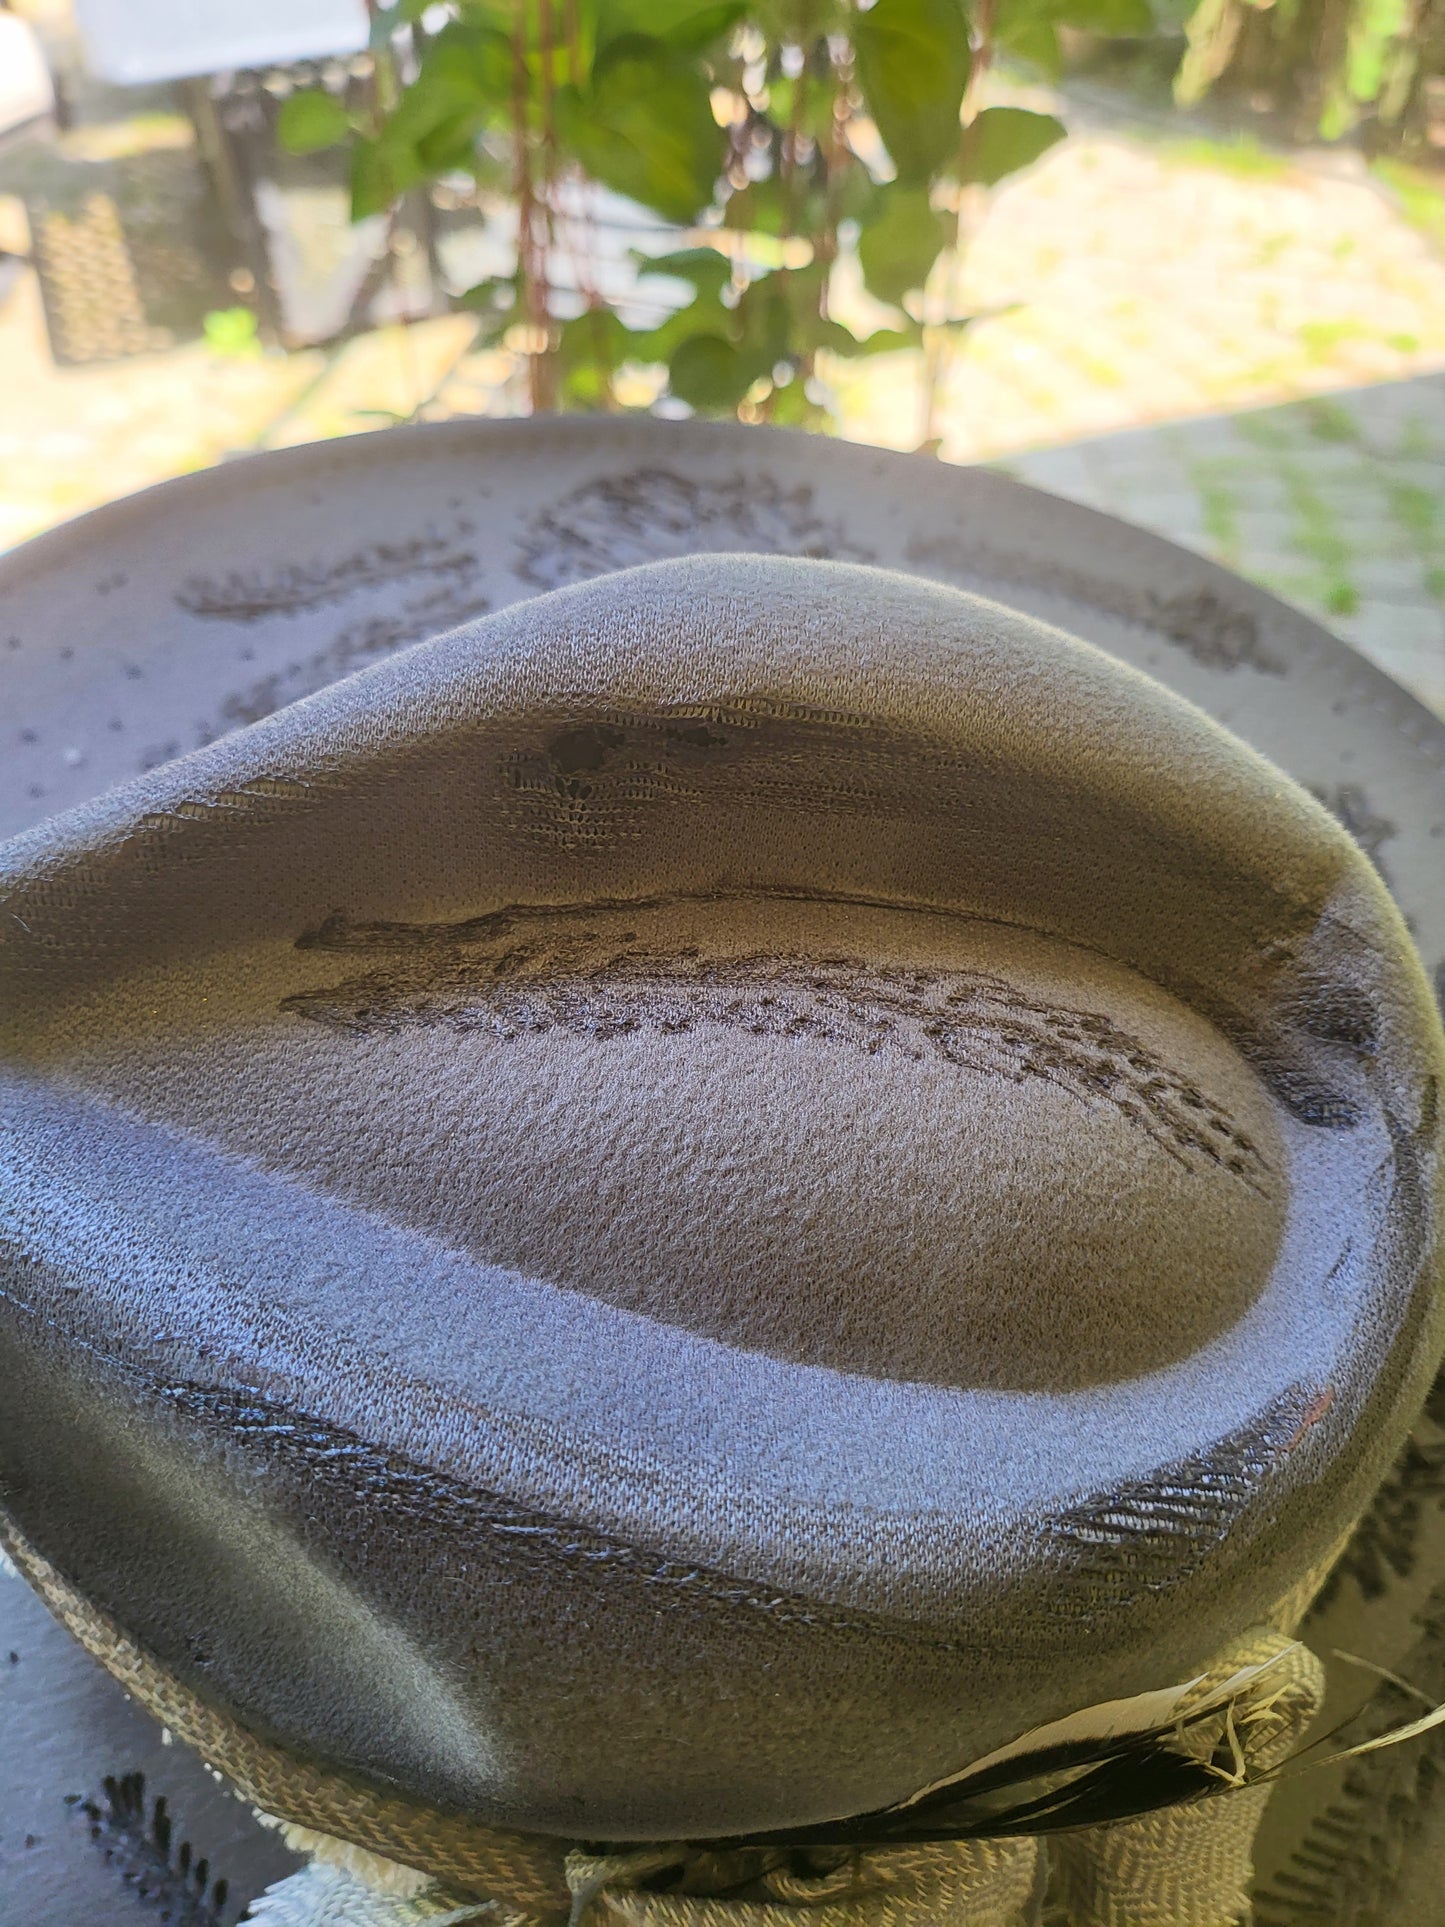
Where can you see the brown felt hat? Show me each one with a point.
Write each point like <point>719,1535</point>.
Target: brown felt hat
<point>681,1210</point>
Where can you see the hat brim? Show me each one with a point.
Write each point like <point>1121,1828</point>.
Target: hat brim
<point>154,625</point>
<point>558,510</point>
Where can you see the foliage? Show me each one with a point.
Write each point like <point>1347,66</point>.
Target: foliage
<point>1329,65</point>
<point>310,121</point>
<point>232,332</point>
<point>1419,196</point>
<point>771,138</point>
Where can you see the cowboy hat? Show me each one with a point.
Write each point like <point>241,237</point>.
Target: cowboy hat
<point>682,1211</point>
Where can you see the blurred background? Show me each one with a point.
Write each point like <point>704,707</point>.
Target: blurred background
<point>1184,262</point>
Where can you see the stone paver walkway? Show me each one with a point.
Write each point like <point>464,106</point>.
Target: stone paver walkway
<point>1336,503</point>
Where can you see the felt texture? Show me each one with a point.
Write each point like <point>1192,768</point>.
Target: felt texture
<point>726,1189</point>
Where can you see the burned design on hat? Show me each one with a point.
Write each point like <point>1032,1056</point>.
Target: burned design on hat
<point>651,512</point>
<point>1207,626</point>
<point>528,969</point>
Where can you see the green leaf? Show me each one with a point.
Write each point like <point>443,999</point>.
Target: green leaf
<point>854,192</point>
<point>464,85</point>
<point>821,332</point>
<point>1131,17</point>
<point>232,331</point>
<point>806,102</point>
<point>387,21</point>
<point>882,341</point>
<point>466,69</point>
<point>686,25</point>
<point>701,316</point>
<point>645,129</point>
<point>802,288</point>
<point>900,243</point>
<point>1037,43</point>
<point>381,171</point>
<point>1001,140</point>
<point>912,63</point>
<point>773,206</point>
<point>759,208</point>
<point>709,374</point>
<point>704,268</point>
<point>494,302</point>
<point>765,321</point>
<point>791,408</point>
<point>450,146</point>
<point>310,121</point>
<point>589,349</point>
<point>499,15</point>
<point>1373,28</point>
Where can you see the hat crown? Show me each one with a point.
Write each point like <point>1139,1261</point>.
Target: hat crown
<point>753,1090</point>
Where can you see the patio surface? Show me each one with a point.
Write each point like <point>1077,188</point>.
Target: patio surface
<point>1336,503</point>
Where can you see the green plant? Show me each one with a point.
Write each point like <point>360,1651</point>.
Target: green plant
<point>1329,65</point>
<point>1419,196</point>
<point>232,332</point>
<point>771,137</point>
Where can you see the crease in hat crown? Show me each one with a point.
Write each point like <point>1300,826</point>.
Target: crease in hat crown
<point>679,1211</point>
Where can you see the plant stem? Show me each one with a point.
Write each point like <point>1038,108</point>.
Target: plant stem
<point>836,159</point>
<point>938,340</point>
<point>531,247</point>
<point>547,198</point>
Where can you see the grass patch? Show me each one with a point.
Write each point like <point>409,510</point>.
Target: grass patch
<point>1294,588</point>
<point>1097,367</point>
<point>1239,155</point>
<point>1319,339</point>
<point>1418,192</point>
<point>1415,444</point>
<point>1414,508</point>
<point>1318,537</point>
<point>1270,250</point>
<point>1417,512</point>
<point>1218,505</point>
<point>1267,431</point>
<point>1328,422</point>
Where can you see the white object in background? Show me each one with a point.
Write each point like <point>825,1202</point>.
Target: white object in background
<point>133,43</point>
<point>27,94</point>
